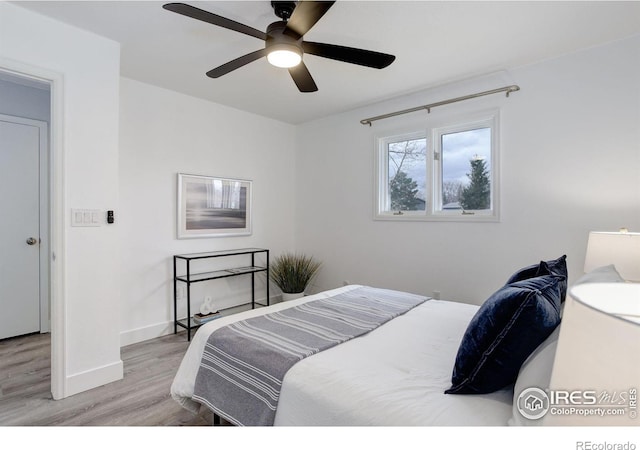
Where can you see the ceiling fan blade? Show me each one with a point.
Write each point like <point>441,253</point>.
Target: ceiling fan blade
<point>303,78</point>
<point>305,16</point>
<point>205,16</point>
<point>351,55</point>
<point>236,63</point>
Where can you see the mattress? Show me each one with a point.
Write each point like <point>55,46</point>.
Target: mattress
<point>395,375</point>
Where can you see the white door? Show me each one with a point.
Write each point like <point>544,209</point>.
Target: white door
<point>20,154</point>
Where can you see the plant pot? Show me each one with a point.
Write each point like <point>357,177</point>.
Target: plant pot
<point>286,296</point>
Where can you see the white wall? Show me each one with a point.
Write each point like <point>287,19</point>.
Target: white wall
<point>24,101</point>
<point>85,152</point>
<point>162,133</point>
<point>570,163</point>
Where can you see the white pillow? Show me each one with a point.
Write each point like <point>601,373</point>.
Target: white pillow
<point>535,372</point>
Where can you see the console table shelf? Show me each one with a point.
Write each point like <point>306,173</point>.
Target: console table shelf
<point>187,277</point>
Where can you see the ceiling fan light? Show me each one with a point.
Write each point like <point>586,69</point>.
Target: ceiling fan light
<point>285,56</point>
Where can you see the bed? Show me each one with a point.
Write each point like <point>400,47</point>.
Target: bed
<point>409,382</point>
<point>395,375</point>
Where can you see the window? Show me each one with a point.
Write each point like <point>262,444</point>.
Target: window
<point>448,172</point>
<point>404,163</point>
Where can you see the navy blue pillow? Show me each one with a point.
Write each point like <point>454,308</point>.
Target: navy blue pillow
<point>553,267</point>
<point>507,328</point>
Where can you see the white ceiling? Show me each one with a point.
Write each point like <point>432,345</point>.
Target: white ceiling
<point>435,42</point>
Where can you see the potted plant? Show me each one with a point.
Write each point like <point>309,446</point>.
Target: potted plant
<point>292,272</point>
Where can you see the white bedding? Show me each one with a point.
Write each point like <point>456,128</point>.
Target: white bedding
<point>395,375</point>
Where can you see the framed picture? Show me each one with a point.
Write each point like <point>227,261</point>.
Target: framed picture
<point>213,207</point>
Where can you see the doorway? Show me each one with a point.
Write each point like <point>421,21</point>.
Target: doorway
<point>24,234</point>
<point>27,105</point>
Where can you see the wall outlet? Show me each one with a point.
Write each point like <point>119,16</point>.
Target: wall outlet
<point>436,295</point>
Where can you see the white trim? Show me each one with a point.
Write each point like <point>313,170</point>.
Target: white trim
<point>57,224</point>
<point>438,218</point>
<point>45,263</point>
<point>89,379</point>
<point>164,328</point>
<point>145,333</point>
<point>21,80</point>
<point>56,216</point>
<point>433,129</point>
<point>488,119</point>
<point>382,167</point>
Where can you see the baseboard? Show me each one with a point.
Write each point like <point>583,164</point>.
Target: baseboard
<point>145,333</point>
<point>160,329</point>
<point>93,378</point>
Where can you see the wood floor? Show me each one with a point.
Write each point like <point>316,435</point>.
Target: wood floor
<point>142,398</point>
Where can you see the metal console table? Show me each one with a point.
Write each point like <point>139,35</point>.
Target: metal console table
<point>189,277</point>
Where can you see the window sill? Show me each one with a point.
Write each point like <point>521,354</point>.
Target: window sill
<point>408,217</point>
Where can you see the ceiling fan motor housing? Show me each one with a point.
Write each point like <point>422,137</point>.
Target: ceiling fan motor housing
<point>277,36</point>
<point>283,9</point>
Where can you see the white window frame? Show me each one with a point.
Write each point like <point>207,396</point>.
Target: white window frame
<point>382,188</point>
<point>433,189</point>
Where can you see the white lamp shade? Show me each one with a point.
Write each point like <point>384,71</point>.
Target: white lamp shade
<point>620,249</point>
<point>598,356</point>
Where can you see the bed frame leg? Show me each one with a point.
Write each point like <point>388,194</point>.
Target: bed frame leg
<point>216,419</point>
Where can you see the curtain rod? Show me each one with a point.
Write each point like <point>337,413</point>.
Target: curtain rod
<point>507,89</point>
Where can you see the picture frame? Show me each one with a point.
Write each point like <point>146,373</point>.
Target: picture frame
<point>213,206</point>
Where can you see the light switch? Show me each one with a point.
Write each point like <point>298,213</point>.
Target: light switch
<point>85,218</point>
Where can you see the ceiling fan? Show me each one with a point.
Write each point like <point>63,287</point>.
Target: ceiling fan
<point>284,44</point>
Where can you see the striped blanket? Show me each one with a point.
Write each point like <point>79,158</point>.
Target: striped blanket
<point>244,363</point>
